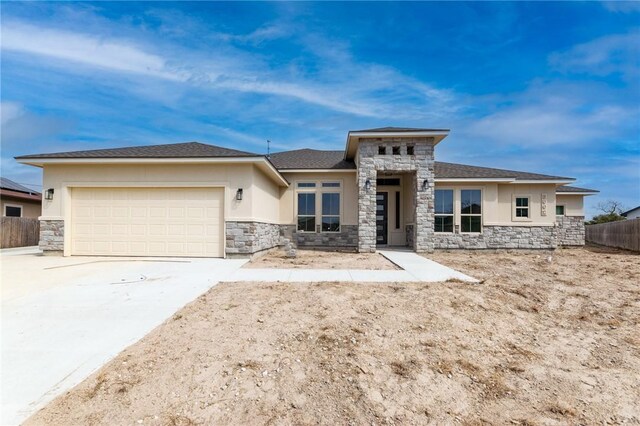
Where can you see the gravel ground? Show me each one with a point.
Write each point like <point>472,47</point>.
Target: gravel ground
<point>546,338</point>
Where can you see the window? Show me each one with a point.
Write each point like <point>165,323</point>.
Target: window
<point>395,150</point>
<point>307,211</point>
<point>410,150</point>
<point>522,207</point>
<point>382,150</point>
<point>559,210</point>
<point>388,182</point>
<point>318,208</point>
<point>444,210</point>
<point>330,212</point>
<point>397,209</point>
<point>471,210</point>
<point>306,184</point>
<point>12,211</point>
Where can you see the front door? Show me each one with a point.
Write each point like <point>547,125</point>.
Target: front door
<point>382,217</point>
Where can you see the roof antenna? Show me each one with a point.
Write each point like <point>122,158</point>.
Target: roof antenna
<point>268,147</point>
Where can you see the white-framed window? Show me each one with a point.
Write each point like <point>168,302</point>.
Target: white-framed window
<point>330,212</point>
<point>319,206</point>
<point>470,210</point>
<point>443,210</point>
<point>307,211</point>
<point>559,210</point>
<point>13,210</point>
<point>522,206</point>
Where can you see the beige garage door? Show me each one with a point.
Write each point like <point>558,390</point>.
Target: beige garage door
<point>147,222</point>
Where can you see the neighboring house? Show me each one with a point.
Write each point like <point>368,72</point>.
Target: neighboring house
<point>632,214</point>
<point>384,189</point>
<point>19,201</point>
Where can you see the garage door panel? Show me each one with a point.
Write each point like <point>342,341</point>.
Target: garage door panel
<point>147,222</point>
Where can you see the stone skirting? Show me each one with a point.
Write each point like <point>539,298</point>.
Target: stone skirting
<point>247,238</point>
<point>410,234</point>
<point>500,237</point>
<point>52,236</point>
<point>571,231</point>
<point>347,237</point>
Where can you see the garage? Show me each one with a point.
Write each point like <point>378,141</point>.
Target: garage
<point>185,222</point>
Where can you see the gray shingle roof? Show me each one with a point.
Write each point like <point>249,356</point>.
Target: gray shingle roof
<point>311,159</point>
<point>176,150</point>
<point>14,186</point>
<point>316,159</point>
<point>569,189</point>
<point>399,129</point>
<point>451,170</point>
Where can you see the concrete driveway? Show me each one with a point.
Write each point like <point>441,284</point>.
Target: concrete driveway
<point>63,318</point>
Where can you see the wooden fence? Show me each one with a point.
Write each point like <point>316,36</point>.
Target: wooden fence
<point>19,232</point>
<point>622,234</point>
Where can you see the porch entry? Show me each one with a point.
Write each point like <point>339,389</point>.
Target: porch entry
<point>390,222</point>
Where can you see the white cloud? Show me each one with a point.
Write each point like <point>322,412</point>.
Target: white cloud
<point>622,6</point>
<point>617,53</point>
<point>10,111</point>
<point>116,55</point>
<point>338,82</point>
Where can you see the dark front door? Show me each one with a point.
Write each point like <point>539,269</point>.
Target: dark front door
<point>382,217</point>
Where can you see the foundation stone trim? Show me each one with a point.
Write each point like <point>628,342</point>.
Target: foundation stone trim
<point>571,230</point>
<point>501,237</point>
<point>347,237</point>
<point>51,236</point>
<point>246,238</point>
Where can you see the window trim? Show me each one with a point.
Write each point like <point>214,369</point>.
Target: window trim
<point>514,208</point>
<point>564,210</point>
<point>339,215</point>
<point>314,215</point>
<point>318,190</point>
<point>453,214</point>
<point>19,206</point>
<point>481,215</point>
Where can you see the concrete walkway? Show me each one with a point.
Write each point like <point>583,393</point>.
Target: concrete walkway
<point>415,268</point>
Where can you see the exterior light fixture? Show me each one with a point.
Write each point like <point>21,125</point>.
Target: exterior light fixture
<point>239,194</point>
<point>424,184</point>
<point>367,184</point>
<point>48,194</point>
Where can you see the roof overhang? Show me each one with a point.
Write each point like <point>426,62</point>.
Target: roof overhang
<point>354,137</point>
<point>260,162</point>
<point>575,193</point>
<point>317,170</point>
<point>4,192</point>
<point>506,180</point>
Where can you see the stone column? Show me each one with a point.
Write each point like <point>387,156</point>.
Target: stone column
<point>366,206</point>
<point>425,187</point>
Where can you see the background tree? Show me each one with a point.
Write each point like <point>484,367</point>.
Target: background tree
<point>610,212</point>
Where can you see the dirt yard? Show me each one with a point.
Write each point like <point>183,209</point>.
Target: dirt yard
<point>546,338</point>
<point>318,259</point>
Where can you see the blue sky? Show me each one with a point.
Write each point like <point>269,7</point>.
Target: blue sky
<point>544,87</point>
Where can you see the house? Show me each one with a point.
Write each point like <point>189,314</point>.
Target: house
<point>19,201</point>
<point>632,214</point>
<point>384,189</point>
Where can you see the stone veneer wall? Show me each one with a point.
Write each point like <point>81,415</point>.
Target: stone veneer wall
<point>410,233</point>
<point>347,237</point>
<point>571,231</point>
<point>52,235</point>
<point>421,163</point>
<point>500,237</point>
<point>246,238</point>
